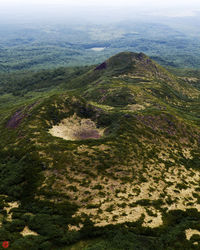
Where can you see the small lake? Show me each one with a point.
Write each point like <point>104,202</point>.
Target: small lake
<point>98,49</point>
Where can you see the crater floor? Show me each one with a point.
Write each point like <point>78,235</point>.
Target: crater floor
<point>75,128</point>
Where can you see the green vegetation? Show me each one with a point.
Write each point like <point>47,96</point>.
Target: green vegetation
<point>37,47</point>
<point>123,190</point>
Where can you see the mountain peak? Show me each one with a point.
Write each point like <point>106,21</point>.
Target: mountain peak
<point>121,59</point>
<point>137,64</point>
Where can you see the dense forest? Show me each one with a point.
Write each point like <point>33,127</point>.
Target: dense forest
<point>41,47</point>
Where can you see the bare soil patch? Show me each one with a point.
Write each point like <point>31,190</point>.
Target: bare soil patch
<point>76,128</point>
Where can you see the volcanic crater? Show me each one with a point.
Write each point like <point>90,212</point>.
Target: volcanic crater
<point>76,128</point>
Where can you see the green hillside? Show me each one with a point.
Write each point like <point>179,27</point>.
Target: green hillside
<point>101,157</point>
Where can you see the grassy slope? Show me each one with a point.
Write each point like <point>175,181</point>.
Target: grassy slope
<point>148,157</point>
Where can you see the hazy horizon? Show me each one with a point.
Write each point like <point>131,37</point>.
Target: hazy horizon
<point>21,11</point>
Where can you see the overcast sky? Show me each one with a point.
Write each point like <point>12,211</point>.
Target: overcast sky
<point>20,10</point>
<point>160,3</point>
